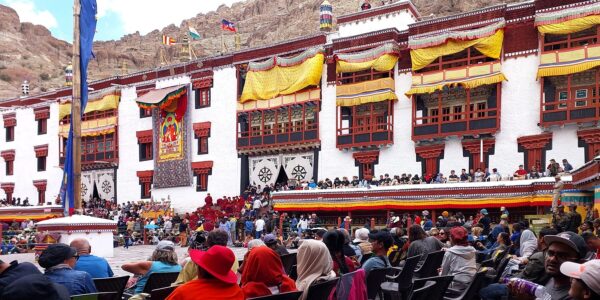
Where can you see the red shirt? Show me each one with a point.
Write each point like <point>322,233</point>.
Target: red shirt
<point>521,172</point>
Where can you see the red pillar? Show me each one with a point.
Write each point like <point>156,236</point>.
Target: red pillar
<point>474,148</point>
<point>431,154</point>
<point>534,145</point>
<point>591,138</point>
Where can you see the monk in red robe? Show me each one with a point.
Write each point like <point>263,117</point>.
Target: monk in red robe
<point>208,201</point>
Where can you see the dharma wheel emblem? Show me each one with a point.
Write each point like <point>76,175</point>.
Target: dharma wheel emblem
<point>106,188</point>
<point>83,190</point>
<point>264,175</point>
<point>299,172</point>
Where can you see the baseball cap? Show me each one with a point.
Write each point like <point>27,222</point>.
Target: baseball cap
<point>270,239</point>
<point>56,254</point>
<point>382,236</point>
<point>570,239</point>
<point>165,245</point>
<point>588,272</point>
<point>483,211</point>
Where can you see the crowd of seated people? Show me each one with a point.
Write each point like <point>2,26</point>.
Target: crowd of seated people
<point>560,261</point>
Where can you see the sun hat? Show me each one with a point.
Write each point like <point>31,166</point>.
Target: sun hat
<point>588,272</point>
<point>361,235</point>
<point>165,245</point>
<point>217,261</point>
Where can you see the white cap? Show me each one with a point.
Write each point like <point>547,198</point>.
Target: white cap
<point>588,272</point>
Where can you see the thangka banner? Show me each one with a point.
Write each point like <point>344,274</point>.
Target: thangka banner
<point>171,140</point>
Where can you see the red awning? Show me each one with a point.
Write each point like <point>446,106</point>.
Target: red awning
<point>157,97</point>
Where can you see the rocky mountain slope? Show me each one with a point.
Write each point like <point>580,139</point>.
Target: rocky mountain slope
<point>30,52</point>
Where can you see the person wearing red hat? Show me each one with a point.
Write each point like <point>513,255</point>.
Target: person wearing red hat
<point>459,260</point>
<point>263,274</point>
<point>215,280</point>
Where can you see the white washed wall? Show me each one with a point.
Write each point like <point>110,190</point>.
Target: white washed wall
<point>453,157</point>
<point>564,145</point>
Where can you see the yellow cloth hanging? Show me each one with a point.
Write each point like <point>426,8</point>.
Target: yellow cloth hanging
<point>365,86</point>
<point>467,76</point>
<point>569,61</point>
<point>265,85</point>
<point>107,102</point>
<point>383,63</point>
<point>94,127</point>
<point>570,26</point>
<point>490,46</point>
<point>359,99</point>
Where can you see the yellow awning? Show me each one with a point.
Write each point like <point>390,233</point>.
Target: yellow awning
<point>490,46</point>
<point>569,61</point>
<point>381,59</point>
<point>283,80</point>
<point>92,127</point>
<point>570,26</point>
<point>468,77</point>
<point>296,98</point>
<point>110,101</point>
<point>365,87</point>
<point>365,98</point>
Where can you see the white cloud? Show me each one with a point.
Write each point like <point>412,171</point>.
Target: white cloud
<point>29,13</point>
<point>147,15</point>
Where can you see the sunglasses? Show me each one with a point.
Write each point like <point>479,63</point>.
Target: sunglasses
<point>76,256</point>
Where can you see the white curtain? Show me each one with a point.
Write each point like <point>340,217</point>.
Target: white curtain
<point>105,183</point>
<point>299,166</point>
<point>87,185</point>
<point>264,170</point>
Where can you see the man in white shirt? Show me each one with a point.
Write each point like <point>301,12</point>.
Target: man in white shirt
<point>256,205</point>
<point>259,226</point>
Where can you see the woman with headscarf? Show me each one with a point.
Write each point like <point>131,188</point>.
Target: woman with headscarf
<point>334,240</point>
<point>263,274</point>
<point>528,245</point>
<point>314,265</point>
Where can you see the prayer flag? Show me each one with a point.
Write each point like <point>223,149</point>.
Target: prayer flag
<point>194,34</point>
<point>167,40</point>
<point>87,29</point>
<point>229,26</point>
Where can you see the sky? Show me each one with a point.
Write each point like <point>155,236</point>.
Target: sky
<point>115,17</point>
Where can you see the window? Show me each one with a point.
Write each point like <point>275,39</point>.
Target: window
<point>201,182</point>
<point>581,94</point>
<point>481,107</point>
<point>458,112</point>
<point>445,114</point>
<point>563,96</point>
<point>42,126</point>
<point>145,151</point>
<point>9,167</point>
<point>144,113</point>
<point>10,133</point>
<point>203,145</point>
<point>41,197</point>
<point>433,113</point>
<point>145,190</point>
<point>202,98</point>
<point>41,163</point>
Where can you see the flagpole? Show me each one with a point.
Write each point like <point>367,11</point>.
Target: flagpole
<point>76,108</point>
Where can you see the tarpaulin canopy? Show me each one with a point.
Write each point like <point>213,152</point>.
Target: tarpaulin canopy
<point>467,76</point>
<point>283,76</point>
<point>569,20</point>
<point>490,46</point>
<point>161,98</point>
<point>382,58</point>
<point>95,103</point>
<point>295,98</point>
<point>438,38</point>
<point>366,92</point>
<point>569,61</point>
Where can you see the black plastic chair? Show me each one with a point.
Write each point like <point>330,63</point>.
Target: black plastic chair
<point>500,269</point>
<point>162,293</point>
<point>294,272</point>
<point>288,260</point>
<point>400,284</point>
<point>282,296</point>
<point>96,296</point>
<point>322,290</point>
<point>112,284</point>
<point>432,263</point>
<point>471,292</point>
<point>374,280</point>
<point>423,293</point>
<point>442,284</point>
<point>157,281</point>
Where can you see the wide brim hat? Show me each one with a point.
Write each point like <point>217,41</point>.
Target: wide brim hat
<point>217,261</point>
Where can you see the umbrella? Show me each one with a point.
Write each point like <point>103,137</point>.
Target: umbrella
<point>150,226</point>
